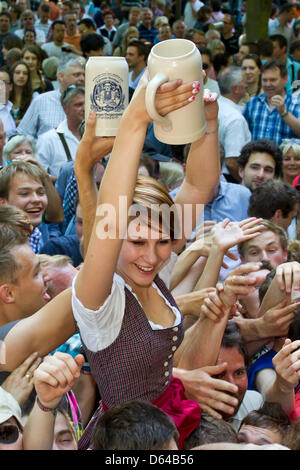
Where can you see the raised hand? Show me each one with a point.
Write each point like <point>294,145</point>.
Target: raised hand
<point>287,365</point>
<point>288,277</point>
<point>240,282</point>
<point>276,320</point>
<point>227,234</point>
<point>56,376</point>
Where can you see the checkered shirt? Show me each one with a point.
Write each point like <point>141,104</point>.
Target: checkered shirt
<point>266,124</point>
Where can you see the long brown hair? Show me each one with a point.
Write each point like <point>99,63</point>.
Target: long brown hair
<point>26,91</point>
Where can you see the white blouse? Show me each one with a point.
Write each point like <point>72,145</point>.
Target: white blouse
<point>99,328</point>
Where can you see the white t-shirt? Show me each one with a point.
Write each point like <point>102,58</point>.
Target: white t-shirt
<point>99,328</point>
<point>252,401</point>
<point>189,18</point>
<point>234,131</point>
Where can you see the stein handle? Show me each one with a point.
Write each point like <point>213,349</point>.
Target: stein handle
<point>151,90</point>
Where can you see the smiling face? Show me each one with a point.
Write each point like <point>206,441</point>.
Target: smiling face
<point>251,71</point>
<point>291,164</point>
<point>29,195</point>
<point>273,83</point>
<point>259,168</point>
<point>142,256</point>
<point>29,290</point>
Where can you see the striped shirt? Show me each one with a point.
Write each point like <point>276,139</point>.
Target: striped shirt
<point>266,124</point>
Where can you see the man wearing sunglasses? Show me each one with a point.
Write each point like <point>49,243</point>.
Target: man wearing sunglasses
<point>11,427</point>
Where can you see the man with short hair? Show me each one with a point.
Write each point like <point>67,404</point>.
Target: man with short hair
<point>294,50</point>
<point>273,114</point>
<point>179,29</point>
<point>280,51</point>
<point>136,56</point>
<point>233,128</point>
<point>58,47</point>
<point>270,245</point>
<point>146,29</point>
<point>45,111</point>
<point>22,286</point>
<point>43,23</point>
<point>72,35</point>
<point>197,36</point>
<point>5,107</point>
<point>57,146</point>
<point>233,353</point>
<point>5,22</point>
<point>229,36</point>
<point>92,45</point>
<point>281,24</point>
<point>164,32</point>
<point>87,26</point>
<point>27,20</point>
<point>23,185</point>
<point>259,161</point>
<point>282,203</point>
<point>15,12</point>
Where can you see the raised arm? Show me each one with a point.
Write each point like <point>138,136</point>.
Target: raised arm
<point>225,235</point>
<point>94,281</point>
<point>202,341</point>
<point>52,379</point>
<point>202,171</point>
<point>84,171</point>
<point>280,388</point>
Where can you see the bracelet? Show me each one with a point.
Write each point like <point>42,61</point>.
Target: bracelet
<point>285,113</point>
<point>212,132</point>
<point>44,408</point>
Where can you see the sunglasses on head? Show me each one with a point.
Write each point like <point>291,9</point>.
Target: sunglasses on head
<point>9,433</point>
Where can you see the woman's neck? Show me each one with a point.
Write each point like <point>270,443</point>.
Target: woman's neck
<point>252,88</point>
<point>17,96</point>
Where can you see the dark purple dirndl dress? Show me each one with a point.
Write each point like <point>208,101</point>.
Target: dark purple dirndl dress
<point>138,365</point>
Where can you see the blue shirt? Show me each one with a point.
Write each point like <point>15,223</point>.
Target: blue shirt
<point>232,201</point>
<point>147,34</point>
<point>266,124</point>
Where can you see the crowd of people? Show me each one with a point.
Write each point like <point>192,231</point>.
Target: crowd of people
<point>119,328</point>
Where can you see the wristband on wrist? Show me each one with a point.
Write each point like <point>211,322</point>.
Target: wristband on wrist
<point>44,408</point>
<point>212,132</point>
<point>285,113</point>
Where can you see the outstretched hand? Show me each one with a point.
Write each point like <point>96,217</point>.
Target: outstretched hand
<point>227,234</point>
<point>287,365</point>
